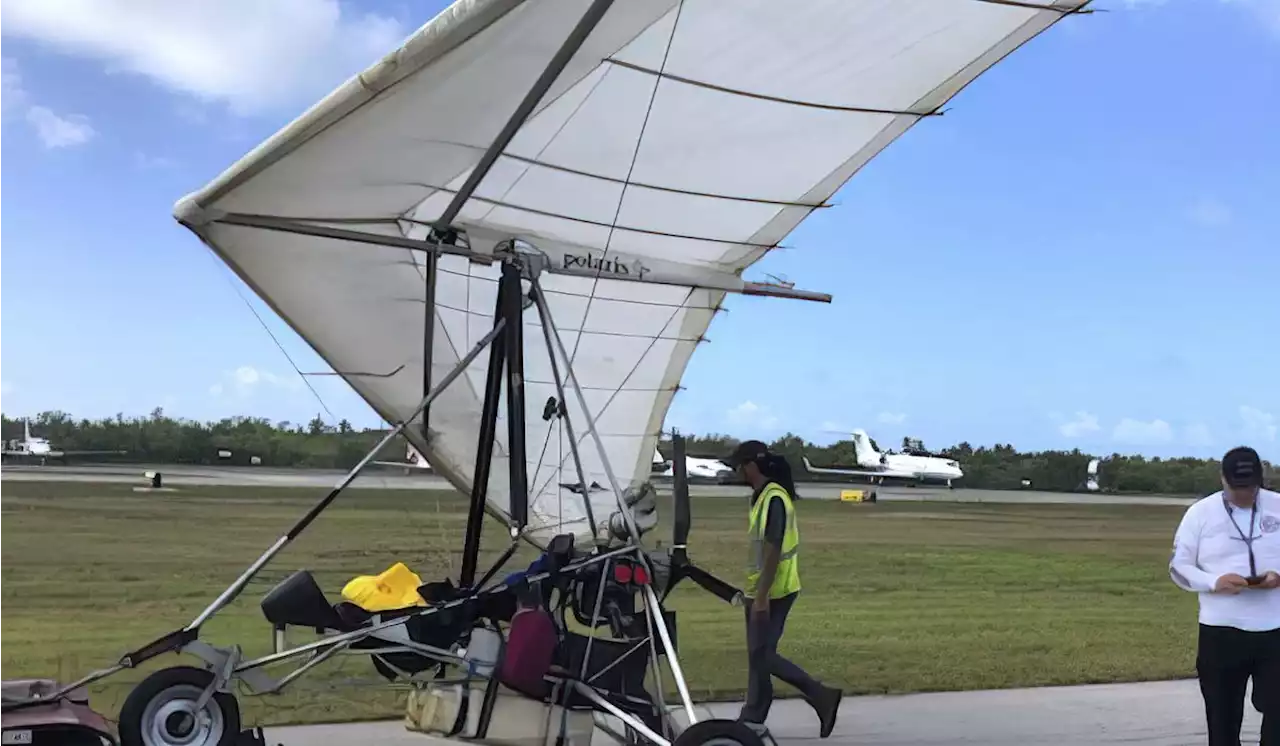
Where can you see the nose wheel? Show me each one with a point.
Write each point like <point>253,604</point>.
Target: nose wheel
<point>722,733</point>
<point>165,710</point>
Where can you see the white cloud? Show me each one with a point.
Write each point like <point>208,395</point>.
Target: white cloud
<point>1197,434</point>
<point>53,129</point>
<point>1137,432</point>
<point>247,379</point>
<point>12,94</point>
<point>891,418</point>
<point>749,414</point>
<point>250,54</point>
<point>1209,212</point>
<point>1083,423</point>
<point>149,162</point>
<point>246,375</point>
<point>1259,424</point>
<point>1266,12</point>
<point>57,131</point>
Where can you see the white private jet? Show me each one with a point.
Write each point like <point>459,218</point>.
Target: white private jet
<point>878,466</point>
<point>40,448</point>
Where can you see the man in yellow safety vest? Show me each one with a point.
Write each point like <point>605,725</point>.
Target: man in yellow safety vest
<point>773,583</point>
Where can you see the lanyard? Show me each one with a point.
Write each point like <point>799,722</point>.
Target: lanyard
<point>1248,540</point>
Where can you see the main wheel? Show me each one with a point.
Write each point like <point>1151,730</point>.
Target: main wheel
<point>159,711</point>
<point>719,733</point>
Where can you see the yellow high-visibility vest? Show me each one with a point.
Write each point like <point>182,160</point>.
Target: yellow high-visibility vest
<point>787,579</point>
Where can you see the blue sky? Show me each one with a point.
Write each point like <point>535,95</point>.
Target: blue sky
<point>1078,254</point>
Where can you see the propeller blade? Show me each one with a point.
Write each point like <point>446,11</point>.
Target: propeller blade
<point>715,586</point>
<point>680,492</point>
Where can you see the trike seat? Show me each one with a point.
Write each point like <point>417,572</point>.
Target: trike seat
<point>298,601</point>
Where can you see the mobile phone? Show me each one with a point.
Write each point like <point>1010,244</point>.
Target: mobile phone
<point>1253,580</point>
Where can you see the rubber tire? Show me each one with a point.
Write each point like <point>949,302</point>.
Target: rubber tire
<point>130,724</point>
<point>708,730</point>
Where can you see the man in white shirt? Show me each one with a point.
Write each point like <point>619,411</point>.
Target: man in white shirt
<point>1227,549</point>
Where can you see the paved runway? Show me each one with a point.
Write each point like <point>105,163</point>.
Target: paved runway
<point>1168,713</point>
<point>384,478</point>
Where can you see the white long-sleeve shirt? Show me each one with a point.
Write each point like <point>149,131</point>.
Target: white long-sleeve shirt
<point>1207,546</point>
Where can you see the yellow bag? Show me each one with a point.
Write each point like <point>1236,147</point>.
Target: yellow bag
<point>395,588</point>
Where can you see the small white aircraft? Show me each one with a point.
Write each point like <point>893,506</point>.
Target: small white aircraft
<point>412,460</point>
<point>33,447</point>
<point>660,464</point>
<point>878,466</point>
<point>1091,481</point>
<point>699,469</point>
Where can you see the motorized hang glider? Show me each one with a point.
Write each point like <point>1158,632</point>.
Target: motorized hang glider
<point>651,152</point>
<point>509,236</point>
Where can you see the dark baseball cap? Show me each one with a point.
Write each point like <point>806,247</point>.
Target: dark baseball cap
<point>750,450</point>
<point>1241,467</point>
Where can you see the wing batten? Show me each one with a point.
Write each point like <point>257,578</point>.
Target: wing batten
<point>765,97</point>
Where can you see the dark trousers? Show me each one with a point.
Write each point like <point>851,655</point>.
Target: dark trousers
<point>1226,659</point>
<point>764,662</point>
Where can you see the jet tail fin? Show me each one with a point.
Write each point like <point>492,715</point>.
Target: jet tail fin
<point>864,450</point>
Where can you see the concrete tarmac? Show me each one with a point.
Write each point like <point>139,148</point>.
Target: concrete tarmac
<point>390,478</point>
<point>1168,713</point>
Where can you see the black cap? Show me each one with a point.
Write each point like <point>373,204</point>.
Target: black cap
<point>751,450</point>
<point>1242,467</point>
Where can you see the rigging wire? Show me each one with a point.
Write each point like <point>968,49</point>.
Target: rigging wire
<point>654,339</point>
<point>231,280</point>
<point>622,197</point>
<point>586,314</point>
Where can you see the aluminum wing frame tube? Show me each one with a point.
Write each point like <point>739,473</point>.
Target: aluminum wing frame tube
<point>513,312</point>
<point>651,597</point>
<point>654,607</point>
<point>544,314</point>
<point>235,588</point>
<point>572,43</point>
<point>484,451</point>
<point>568,421</point>
<point>721,281</point>
<point>431,270</point>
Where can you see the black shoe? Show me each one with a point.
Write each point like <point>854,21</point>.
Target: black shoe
<point>827,705</point>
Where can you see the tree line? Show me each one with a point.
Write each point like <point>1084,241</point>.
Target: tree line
<point>1003,467</point>
<point>160,439</point>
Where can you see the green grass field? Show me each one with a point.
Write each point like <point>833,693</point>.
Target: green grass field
<point>898,597</point>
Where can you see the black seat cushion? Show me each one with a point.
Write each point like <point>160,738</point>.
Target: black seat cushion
<point>298,601</point>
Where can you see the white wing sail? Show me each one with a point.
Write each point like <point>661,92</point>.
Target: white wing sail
<point>681,142</point>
